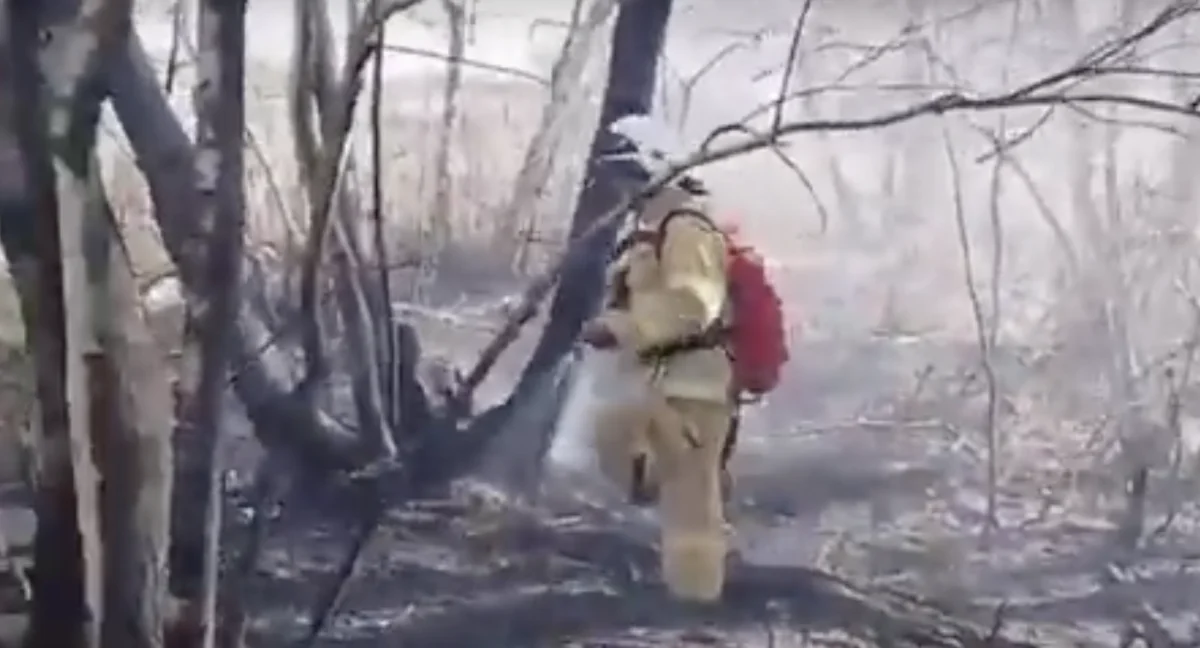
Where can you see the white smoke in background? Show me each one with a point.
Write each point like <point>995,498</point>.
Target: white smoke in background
<point>602,380</point>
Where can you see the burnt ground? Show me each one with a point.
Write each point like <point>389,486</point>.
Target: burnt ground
<point>860,485</point>
<point>478,572</point>
<point>857,518</point>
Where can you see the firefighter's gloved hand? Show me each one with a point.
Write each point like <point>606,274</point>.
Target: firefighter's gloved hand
<point>598,335</point>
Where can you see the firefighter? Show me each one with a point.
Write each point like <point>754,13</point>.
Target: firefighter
<point>667,293</point>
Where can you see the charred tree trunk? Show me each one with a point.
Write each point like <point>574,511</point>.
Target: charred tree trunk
<point>121,403</point>
<point>29,228</point>
<point>632,73</point>
<point>220,128</point>
<point>632,77</point>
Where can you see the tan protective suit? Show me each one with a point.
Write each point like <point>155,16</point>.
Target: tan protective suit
<point>681,427</point>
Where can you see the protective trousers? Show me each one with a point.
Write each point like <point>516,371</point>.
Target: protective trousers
<point>670,450</point>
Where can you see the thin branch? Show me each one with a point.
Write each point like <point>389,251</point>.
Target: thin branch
<point>177,14</point>
<point>822,211</point>
<point>335,592</point>
<point>539,155</point>
<point>505,70</point>
<point>1091,65</point>
<point>384,329</point>
<point>688,84</point>
<point>336,132</point>
<point>1043,206</point>
<point>981,328</point>
<point>793,60</point>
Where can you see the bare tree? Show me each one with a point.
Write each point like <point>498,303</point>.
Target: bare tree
<point>518,219</point>
<point>220,127</point>
<point>443,203</point>
<point>60,610</point>
<point>89,589</point>
<point>315,85</point>
<point>632,73</point>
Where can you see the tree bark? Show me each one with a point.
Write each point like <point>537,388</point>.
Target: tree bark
<point>86,592</point>
<point>122,402</point>
<point>166,157</point>
<point>220,129</point>
<point>632,73</point>
<point>29,229</point>
<point>518,220</point>
<point>131,381</point>
<point>315,83</point>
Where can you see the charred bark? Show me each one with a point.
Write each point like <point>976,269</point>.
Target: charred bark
<point>633,67</point>
<point>29,228</point>
<point>69,310</point>
<point>122,400</point>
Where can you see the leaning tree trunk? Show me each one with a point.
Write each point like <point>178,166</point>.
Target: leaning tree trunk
<point>632,73</point>
<point>260,380</point>
<point>131,380</point>
<point>220,127</point>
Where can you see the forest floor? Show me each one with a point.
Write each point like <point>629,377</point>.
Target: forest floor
<point>867,469</point>
<point>869,466</point>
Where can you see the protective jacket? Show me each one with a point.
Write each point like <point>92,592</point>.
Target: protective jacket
<point>670,287</point>
<point>667,287</point>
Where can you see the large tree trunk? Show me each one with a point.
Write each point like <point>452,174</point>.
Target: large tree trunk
<point>86,592</point>
<point>633,66</point>
<point>135,451</point>
<point>29,228</point>
<point>632,75</point>
<point>120,403</point>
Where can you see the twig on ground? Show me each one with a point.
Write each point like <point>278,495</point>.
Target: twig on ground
<point>998,619</point>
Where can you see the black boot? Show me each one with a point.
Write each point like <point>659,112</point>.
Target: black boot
<point>643,491</point>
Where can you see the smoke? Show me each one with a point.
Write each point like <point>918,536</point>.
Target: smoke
<point>602,381</point>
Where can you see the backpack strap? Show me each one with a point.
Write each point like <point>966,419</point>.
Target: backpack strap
<point>715,336</point>
<point>685,211</point>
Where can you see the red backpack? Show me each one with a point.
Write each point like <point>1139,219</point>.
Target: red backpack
<point>756,337</point>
